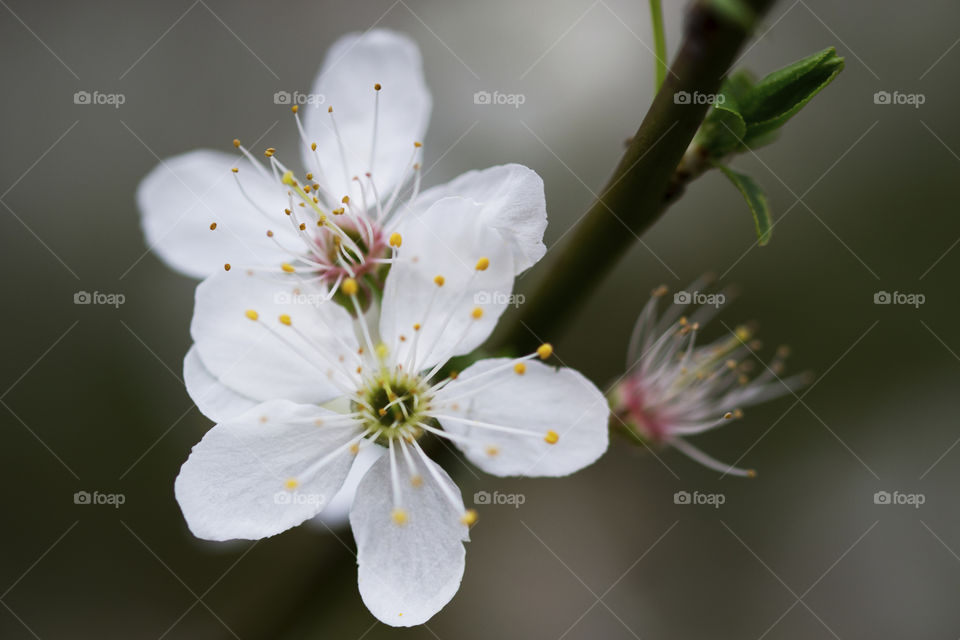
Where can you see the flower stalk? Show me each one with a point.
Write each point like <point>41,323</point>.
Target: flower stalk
<point>645,182</point>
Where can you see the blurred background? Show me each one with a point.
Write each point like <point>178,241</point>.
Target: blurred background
<point>866,200</point>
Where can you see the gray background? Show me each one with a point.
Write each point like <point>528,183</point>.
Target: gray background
<point>92,400</point>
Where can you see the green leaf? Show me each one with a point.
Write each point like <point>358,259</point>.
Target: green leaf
<point>776,98</point>
<point>722,131</point>
<point>756,200</point>
<point>724,128</point>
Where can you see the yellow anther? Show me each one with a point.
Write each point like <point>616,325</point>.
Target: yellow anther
<point>751,473</point>
<point>269,233</point>
<point>313,146</point>
<point>330,109</point>
<point>285,319</point>
<point>382,351</point>
<point>226,267</point>
<point>291,484</point>
<point>483,263</point>
<point>309,176</point>
<point>287,178</point>
<point>416,480</point>
<point>287,267</point>
<point>252,315</point>
<point>520,368</point>
<point>349,287</point>
<point>376,87</point>
<point>727,415</point>
<point>417,144</point>
<point>294,108</point>
<point>416,326</point>
<point>213,225</point>
<point>382,412</point>
<point>355,448</point>
<point>234,169</point>
<point>345,199</point>
<point>743,334</point>
<point>492,451</point>
<point>469,517</point>
<point>439,280</point>
<point>303,226</point>
<point>545,350</point>
<point>477,313</point>
<point>395,239</point>
<point>269,152</point>
<point>236,142</point>
<point>399,516</point>
<point>552,437</point>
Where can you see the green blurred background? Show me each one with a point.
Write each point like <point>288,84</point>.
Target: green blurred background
<point>92,398</point>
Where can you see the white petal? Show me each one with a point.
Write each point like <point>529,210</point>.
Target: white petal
<point>251,357</point>
<point>184,195</point>
<point>215,400</point>
<point>235,482</point>
<point>447,240</point>
<point>408,571</point>
<point>354,64</point>
<point>542,399</point>
<point>337,512</point>
<point>513,203</point>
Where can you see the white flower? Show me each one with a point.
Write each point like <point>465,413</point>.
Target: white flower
<point>360,129</point>
<point>674,389</point>
<point>205,210</point>
<point>270,467</point>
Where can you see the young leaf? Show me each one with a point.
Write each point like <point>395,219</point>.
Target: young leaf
<point>779,96</point>
<point>724,128</point>
<point>756,200</point>
<point>722,131</point>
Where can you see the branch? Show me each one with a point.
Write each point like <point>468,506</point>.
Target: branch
<point>647,180</point>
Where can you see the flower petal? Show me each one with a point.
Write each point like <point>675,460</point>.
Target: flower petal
<point>513,203</point>
<point>215,400</point>
<point>251,477</point>
<point>337,512</point>
<point>448,240</point>
<point>408,571</point>
<point>182,196</point>
<point>541,400</point>
<point>354,64</point>
<point>262,358</point>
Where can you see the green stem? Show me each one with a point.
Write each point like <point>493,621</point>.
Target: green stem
<point>647,179</point>
<point>659,42</point>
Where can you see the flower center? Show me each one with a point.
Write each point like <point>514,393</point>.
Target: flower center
<point>394,405</point>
